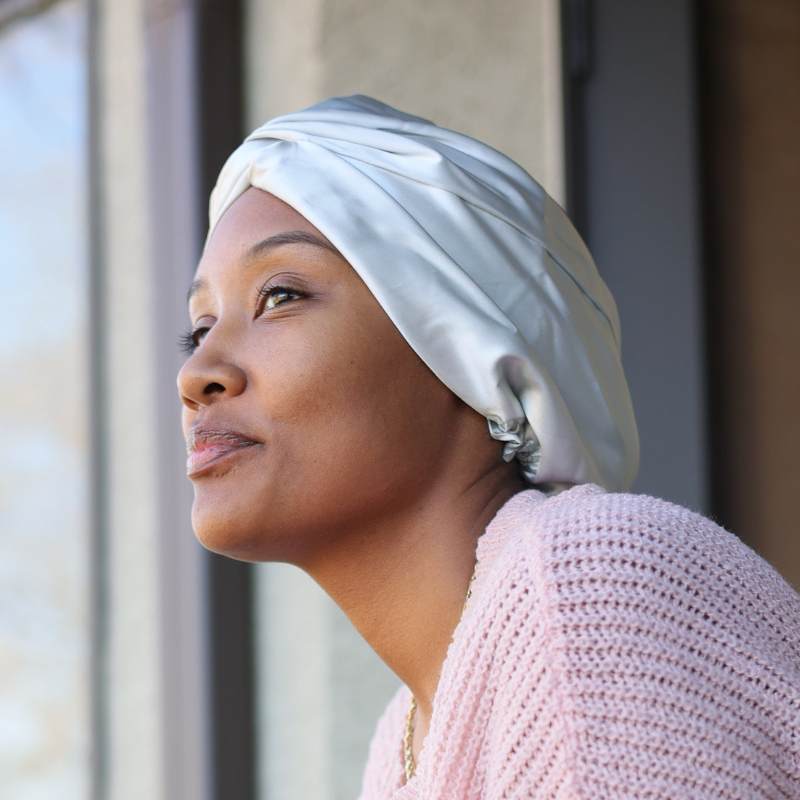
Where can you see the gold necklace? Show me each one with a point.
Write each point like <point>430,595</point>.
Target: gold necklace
<point>407,752</point>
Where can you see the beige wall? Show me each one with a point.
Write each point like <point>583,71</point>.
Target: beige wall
<point>488,69</point>
<point>491,70</point>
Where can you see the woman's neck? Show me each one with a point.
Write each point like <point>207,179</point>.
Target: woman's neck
<point>403,580</point>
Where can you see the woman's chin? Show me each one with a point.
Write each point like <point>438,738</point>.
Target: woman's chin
<point>222,534</point>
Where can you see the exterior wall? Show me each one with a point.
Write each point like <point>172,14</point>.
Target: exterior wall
<point>493,71</point>
<point>133,751</point>
<point>153,723</point>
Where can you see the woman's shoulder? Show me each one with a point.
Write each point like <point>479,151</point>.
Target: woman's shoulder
<point>587,537</point>
<point>634,572</point>
<point>663,634</point>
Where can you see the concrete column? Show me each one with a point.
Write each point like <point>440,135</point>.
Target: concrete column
<point>154,737</point>
<point>491,70</point>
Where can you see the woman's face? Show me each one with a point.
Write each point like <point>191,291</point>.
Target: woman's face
<point>345,421</point>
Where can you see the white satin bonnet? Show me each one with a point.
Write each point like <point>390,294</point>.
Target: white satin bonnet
<point>480,270</point>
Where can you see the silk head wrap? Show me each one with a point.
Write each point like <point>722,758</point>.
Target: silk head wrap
<point>477,266</point>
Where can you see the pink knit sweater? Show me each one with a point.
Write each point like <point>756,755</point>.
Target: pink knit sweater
<point>616,645</point>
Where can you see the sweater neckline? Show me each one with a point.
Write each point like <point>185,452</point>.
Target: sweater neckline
<point>490,544</point>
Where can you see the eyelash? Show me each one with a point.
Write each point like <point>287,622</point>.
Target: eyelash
<point>186,341</point>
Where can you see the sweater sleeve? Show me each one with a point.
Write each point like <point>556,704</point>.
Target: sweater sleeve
<point>655,655</point>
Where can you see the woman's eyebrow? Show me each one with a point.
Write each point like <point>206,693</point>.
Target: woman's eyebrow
<point>265,245</point>
<point>289,237</point>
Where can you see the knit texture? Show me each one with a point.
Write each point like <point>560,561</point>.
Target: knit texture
<point>616,645</point>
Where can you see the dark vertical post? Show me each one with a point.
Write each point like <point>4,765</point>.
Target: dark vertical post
<point>709,277</point>
<point>220,76</point>
<point>576,66</point>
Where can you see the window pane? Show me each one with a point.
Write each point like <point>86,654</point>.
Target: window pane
<point>44,458</point>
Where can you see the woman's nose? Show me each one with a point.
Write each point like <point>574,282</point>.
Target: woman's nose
<point>201,381</point>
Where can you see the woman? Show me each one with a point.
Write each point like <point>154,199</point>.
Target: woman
<point>405,378</point>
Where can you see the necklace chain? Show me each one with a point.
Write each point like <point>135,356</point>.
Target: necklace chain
<point>408,755</point>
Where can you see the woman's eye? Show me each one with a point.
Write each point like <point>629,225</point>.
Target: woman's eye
<point>189,341</point>
<point>270,292</point>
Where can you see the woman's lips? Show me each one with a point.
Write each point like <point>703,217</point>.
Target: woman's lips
<point>211,452</point>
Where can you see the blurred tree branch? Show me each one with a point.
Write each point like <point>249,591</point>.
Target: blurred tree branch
<point>12,11</point>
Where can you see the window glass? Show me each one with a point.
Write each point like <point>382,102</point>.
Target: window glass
<point>44,350</point>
